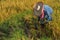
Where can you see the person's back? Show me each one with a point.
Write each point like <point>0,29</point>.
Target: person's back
<point>48,9</point>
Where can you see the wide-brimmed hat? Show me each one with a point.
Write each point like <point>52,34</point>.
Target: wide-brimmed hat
<point>38,8</point>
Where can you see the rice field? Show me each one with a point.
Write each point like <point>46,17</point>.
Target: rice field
<point>17,21</point>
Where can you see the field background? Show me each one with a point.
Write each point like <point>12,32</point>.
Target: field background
<point>15,13</point>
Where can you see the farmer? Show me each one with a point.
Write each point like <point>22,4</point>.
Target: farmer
<point>43,11</point>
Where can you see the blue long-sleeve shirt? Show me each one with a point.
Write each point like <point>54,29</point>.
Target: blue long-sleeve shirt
<point>48,11</point>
